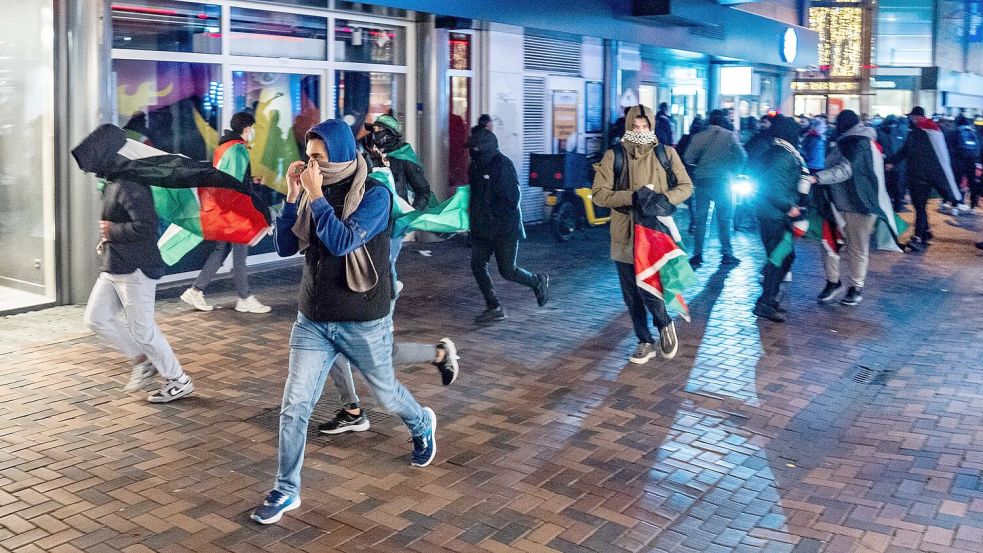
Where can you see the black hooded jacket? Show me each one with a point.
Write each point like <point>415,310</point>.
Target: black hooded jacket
<point>494,202</point>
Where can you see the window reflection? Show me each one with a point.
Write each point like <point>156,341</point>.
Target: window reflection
<point>362,96</point>
<point>278,35</point>
<point>360,42</point>
<point>166,25</point>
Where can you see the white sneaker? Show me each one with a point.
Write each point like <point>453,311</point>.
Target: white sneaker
<point>141,374</point>
<point>399,287</point>
<point>172,390</point>
<point>196,299</point>
<point>788,277</point>
<point>251,305</point>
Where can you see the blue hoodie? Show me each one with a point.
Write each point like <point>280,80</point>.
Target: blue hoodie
<point>339,236</point>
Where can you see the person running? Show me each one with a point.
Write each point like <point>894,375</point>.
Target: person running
<point>232,157</point>
<point>927,167</point>
<point>496,225</point>
<point>340,221</point>
<point>853,185</point>
<point>121,305</point>
<point>643,161</point>
<point>718,157</point>
<point>781,174</point>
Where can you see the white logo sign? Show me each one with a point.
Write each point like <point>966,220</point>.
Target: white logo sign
<point>790,45</point>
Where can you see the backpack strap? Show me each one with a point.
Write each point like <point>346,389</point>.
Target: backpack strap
<point>660,152</point>
<point>619,164</point>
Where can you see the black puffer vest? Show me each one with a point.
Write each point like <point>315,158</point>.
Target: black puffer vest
<point>324,292</point>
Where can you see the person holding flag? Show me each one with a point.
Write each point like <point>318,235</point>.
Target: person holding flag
<point>859,198</point>
<point>927,168</point>
<point>781,175</point>
<point>232,157</point>
<point>641,161</point>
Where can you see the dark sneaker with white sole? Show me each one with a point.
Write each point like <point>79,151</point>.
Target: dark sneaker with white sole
<point>425,446</point>
<point>172,390</point>
<point>853,296</point>
<point>448,366</point>
<point>344,421</point>
<point>669,342</point>
<point>274,506</point>
<point>493,315</point>
<point>830,291</point>
<point>769,312</point>
<point>643,353</point>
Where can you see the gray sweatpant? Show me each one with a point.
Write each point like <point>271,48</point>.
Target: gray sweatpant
<point>121,312</point>
<point>857,229</point>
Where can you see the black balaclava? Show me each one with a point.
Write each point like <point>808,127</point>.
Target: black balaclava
<point>386,140</point>
<point>484,146</point>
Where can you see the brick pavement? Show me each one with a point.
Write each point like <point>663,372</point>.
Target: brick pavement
<point>757,437</point>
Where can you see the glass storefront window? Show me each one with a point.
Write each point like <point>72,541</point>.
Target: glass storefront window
<point>168,26</point>
<point>285,105</point>
<point>173,106</point>
<point>360,7</point>
<point>460,51</point>
<point>362,96</point>
<point>457,130</point>
<point>27,150</point>
<point>810,105</point>
<point>278,35</point>
<point>360,42</point>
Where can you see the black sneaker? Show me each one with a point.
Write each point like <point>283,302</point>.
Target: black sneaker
<point>778,307</point>
<point>448,367</point>
<point>491,316</point>
<point>696,261</point>
<point>643,353</point>
<point>542,290</point>
<point>830,291</point>
<point>669,341</point>
<point>344,421</point>
<point>766,311</point>
<point>853,296</point>
<point>729,260</point>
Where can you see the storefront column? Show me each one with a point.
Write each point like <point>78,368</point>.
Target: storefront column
<point>82,95</point>
<point>433,108</point>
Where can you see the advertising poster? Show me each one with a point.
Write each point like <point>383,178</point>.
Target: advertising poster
<point>564,114</point>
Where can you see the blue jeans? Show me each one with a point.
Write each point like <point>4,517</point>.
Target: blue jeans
<point>313,349</point>
<point>395,246</point>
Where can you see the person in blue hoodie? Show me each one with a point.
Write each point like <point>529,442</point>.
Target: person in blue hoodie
<point>338,219</point>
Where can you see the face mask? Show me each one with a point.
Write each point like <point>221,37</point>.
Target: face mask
<point>249,135</point>
<point>385,140</point>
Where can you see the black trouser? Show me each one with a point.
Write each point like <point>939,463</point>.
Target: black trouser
<point>921,191</point>
<point>640,303</point>
<point>505,250</point>
<point>772,233</point>
<point>895,189</point>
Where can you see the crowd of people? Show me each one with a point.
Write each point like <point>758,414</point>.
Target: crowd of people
<point>847,177</point>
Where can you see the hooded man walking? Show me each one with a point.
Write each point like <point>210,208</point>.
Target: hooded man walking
<point>340,222</point>
<point>854,186</point>
<point>496,225</point>
<point>718,156</point>
<point>614,186</point>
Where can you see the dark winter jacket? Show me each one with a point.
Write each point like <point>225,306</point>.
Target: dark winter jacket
<point>663,129</point>
<point>132,240</point>
<point>494,202</point>
<point>922,166</point>
<point>851,177</point>
<point>777,171</point>
<point>716,154</point>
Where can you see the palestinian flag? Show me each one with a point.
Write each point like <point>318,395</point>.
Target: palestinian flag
<point>405,153</point>
<point>448,216</point>
<point>661,266</point>
<point>200,202</point>
<point>889,225</point>
<point>937,139</point>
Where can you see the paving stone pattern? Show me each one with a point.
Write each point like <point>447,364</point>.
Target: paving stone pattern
<point>756,437</point>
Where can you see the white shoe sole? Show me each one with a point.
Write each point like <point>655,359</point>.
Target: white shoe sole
<point>275,518</point>
<point>265,309</point>
<point>187,390</point>
<point>433,437</point>
<point>361,427</point>
<point>193,304</point>
<point>642,360</point>
<point>450,351</point>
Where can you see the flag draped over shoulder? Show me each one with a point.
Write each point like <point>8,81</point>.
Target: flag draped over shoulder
<point>661,266</point>
<point>937,139</point>
<point>448,216</point>
<point>889,225</point>
<point>198,200</point>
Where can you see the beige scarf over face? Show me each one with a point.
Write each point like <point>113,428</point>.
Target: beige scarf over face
<point>360,271</point>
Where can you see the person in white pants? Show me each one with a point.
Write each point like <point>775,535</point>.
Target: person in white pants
<point>121,305</point>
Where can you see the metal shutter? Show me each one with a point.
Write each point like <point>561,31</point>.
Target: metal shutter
<point>533,142</point>
<point>557,56</point>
